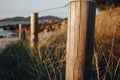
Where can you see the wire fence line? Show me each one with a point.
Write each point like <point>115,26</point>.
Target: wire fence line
<point>53,8</point>
<point>59,7</point>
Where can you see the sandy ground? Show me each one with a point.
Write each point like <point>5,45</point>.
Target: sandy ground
<point>6,41</point>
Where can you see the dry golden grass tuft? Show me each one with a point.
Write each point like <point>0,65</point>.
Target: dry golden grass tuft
<point>107,42</point>
<point>106,22</point>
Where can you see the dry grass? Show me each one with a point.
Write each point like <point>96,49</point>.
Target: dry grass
<point>50,38</point>
<point>107,39</point>
<point>106,21</point>
<point>6,41</point>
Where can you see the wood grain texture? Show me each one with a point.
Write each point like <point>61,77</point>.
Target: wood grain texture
<point>81,21</point>
<point>20,31</point>
<point>34,30</point>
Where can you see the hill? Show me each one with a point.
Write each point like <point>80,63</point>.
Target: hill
<point>43,18</point>
<point>15,19</point>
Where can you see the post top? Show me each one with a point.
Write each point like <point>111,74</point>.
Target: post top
<point>34,13</point>
<point>83,0</point>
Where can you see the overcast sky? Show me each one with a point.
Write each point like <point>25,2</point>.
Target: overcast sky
<point>12,8</point>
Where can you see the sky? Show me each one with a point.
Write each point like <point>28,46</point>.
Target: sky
<point>13,8</point>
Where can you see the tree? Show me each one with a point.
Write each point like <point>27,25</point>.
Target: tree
<point>107,3</point>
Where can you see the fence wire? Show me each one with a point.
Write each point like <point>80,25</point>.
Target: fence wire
<point>59,7</point>
<point>53,8</point>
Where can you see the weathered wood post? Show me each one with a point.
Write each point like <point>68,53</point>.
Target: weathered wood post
<point>22,35</point>
<point>34,32</point>
<point>81,23</point>
<point>20,31</point>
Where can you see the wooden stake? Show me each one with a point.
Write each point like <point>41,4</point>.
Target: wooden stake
<point>20,31</point>
<point>34,30</point>
<point>81,23</point>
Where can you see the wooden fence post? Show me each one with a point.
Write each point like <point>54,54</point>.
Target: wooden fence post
<point>34,31</point>
<point>22,35</point>
<point>81,23</point>
<point>20,31</point>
